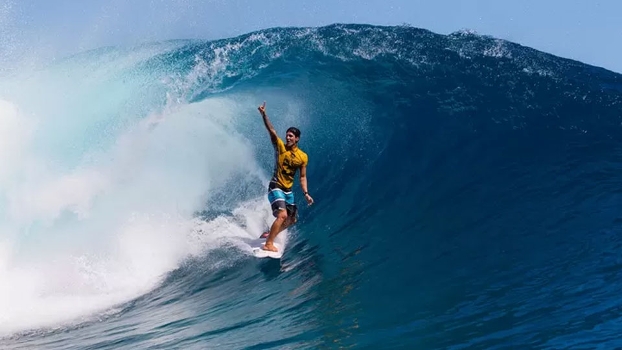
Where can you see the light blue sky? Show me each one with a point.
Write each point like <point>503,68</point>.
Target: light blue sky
<point>589,31</point>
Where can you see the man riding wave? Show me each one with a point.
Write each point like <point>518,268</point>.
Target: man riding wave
<point>289,159</point>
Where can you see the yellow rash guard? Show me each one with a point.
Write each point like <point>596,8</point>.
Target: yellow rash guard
<point>287,162</point>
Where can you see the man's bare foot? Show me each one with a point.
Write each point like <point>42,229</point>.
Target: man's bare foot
<point>270,247</point>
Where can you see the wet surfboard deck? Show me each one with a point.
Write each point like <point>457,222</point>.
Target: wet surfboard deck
<point>260,253</point>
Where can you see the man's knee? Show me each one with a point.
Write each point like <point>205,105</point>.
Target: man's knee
<point>281,215</point>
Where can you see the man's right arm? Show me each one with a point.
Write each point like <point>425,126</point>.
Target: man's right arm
<point>266,121</point>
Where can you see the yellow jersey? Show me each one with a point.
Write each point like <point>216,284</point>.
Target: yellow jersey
<point>287,163</point>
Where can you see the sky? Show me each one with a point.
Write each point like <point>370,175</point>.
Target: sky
<point>587,31</point>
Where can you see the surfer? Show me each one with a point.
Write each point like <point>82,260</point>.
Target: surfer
<point>289,159</point>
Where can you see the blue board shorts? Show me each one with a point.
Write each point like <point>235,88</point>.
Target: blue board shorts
<point>281,199</point>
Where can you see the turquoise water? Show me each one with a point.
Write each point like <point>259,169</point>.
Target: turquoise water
<point>466,195</point>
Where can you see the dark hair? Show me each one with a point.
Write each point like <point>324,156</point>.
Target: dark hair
<point>294,131</point>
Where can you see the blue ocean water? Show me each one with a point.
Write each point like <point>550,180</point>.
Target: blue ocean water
<point>466,191</point>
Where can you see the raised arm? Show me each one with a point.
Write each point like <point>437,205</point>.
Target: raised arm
<point>266,121</point>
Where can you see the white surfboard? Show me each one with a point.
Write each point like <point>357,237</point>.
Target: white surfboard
<point>260,253</point>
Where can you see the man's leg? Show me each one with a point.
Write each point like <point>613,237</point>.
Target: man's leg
<point>275,229</point>
<point>277,198</point>
<point>287,223</point>
<point>292,216</point>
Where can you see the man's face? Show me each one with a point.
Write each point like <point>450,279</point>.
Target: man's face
<point>290,138</point>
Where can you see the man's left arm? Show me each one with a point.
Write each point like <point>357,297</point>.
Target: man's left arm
<point>303,184</point>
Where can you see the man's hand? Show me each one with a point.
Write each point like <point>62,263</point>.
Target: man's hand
<point>309,199</point>
<point>262,110</point>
